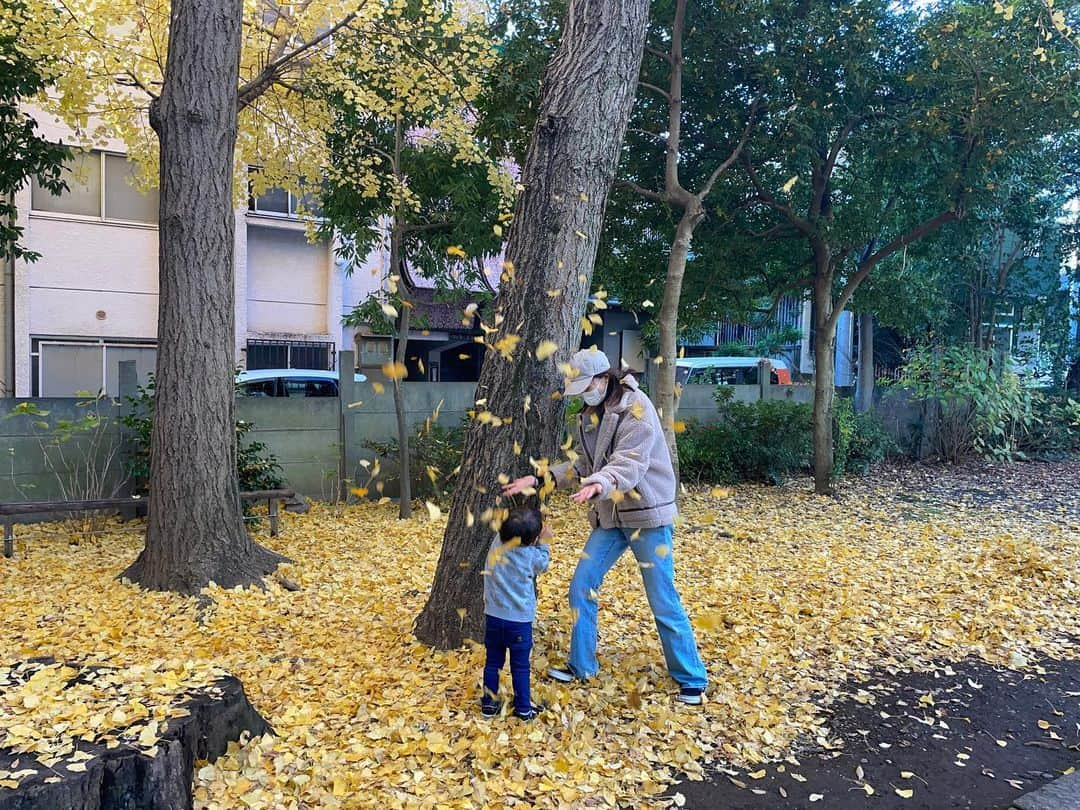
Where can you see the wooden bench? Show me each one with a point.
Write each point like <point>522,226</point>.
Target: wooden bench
<point>10,512</point>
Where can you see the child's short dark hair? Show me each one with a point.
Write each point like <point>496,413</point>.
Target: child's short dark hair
<point>524,523</point>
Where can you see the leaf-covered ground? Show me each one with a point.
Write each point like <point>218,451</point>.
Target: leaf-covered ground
<point>793,596</point>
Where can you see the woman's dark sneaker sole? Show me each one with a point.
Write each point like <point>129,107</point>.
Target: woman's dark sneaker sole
<point>491,711</point>
<point>691,697</point>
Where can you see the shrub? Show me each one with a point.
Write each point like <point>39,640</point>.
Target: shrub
<point>860,440</point>
<point>759,441</point>
<point>978,409</point>
<point>434,456</point>
<point>256,466</point>
<point>1054,429</point>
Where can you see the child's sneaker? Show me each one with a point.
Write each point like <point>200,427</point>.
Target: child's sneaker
<point>531,714</point>
<point>564,674</point>
<point>490,709</point>
<point>691,696</point>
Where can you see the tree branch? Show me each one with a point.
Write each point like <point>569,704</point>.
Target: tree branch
<point>658,90</point>
<point>251,90</point>
<point>723,167</point>
<point>772,202</point>
<point>648,194</point>
<point>658,53</point>
<point>924,228</point>
<point>671,163</point>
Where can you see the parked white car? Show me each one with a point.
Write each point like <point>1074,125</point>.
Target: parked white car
<point>289,382</point>
<point>727,371</point>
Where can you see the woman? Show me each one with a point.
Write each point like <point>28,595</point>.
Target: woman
<point>626,475</point>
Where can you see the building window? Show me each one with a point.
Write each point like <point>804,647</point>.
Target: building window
<point>100,186</point>
<point>69,368</point>
<point>279,202</point>
<point>309,354</point>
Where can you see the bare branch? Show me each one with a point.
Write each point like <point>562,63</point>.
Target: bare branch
<point>723,167</point>
<point>671,164</point>
<point>659,54</point>
<point>924,228</point>
<point>649,194</point>
<point>272,71</point>
<point>658,90</point>
<point>772,202</point>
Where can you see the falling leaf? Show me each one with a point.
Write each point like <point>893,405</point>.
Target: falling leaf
<point>456,250</point>
<point>395,371</point>
<point>389,310</point>
<point>434,512</point>
<point>757,774</point>
<point>790,184</point>
<point>904,793</point>
<point>378,387</point>
<point>816,797</point>
<point>545,349</point>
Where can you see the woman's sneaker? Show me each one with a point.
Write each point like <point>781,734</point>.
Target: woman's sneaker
<point>691,696</point>
<point>490,709</point>
<point>564,674</point>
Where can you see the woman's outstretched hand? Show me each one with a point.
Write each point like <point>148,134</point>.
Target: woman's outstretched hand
<point>520,485</point>
<point>586,493</point>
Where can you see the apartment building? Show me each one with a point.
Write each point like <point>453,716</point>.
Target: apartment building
<point>90,301</point>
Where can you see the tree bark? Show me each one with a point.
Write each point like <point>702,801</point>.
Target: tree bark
<point>195,531</point>
<point>864,384</point>
<point>584,106</point>
<point>824,371</point>
<point>668,323</point>
<point>397,267</point>
<point>404,464</point>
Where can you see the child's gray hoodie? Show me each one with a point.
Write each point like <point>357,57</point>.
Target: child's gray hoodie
<point>510,579</point>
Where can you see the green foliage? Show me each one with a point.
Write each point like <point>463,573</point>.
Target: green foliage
<point>1054,430</point>
<point>23,152</point>
<point>860,440</point>
<point>256,466</point>
<point>975,408</point>
<point>434,457</point>
<point>760,441</point>
<point>771,441</point>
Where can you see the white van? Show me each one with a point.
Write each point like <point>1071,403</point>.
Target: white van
<point>289,382</point>
<point>728,371</point>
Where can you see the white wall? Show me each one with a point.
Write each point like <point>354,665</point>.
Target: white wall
<point>287,281</point>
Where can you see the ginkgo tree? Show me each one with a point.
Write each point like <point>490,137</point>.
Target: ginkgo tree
<point>585,102</point>
<point>438,207</point>
<point>199,90</point>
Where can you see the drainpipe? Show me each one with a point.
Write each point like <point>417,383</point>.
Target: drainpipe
<point>7,328</point>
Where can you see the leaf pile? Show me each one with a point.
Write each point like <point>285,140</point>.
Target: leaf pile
<point>792,596</point>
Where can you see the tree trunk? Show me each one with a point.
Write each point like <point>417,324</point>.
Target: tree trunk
<point>404,464</point>
<point>824,373</point>
<point>397,268</point>
<point>668,323</point>
<point>195,531</point>
<point>864,385</point>
<point>585,103</point>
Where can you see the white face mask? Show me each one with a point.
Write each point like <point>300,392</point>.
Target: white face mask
<point>594,396</point>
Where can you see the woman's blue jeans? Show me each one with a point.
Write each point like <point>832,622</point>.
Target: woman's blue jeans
<point>602,550</point>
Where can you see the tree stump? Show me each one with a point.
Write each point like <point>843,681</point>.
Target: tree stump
<point>124,776</point>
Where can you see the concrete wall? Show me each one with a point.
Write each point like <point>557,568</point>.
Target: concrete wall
<point>698,402</point>
<point>35,467</point>
<point>305,434</point>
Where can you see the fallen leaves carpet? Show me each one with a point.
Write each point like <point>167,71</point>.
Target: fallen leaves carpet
<point>792,595</point>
